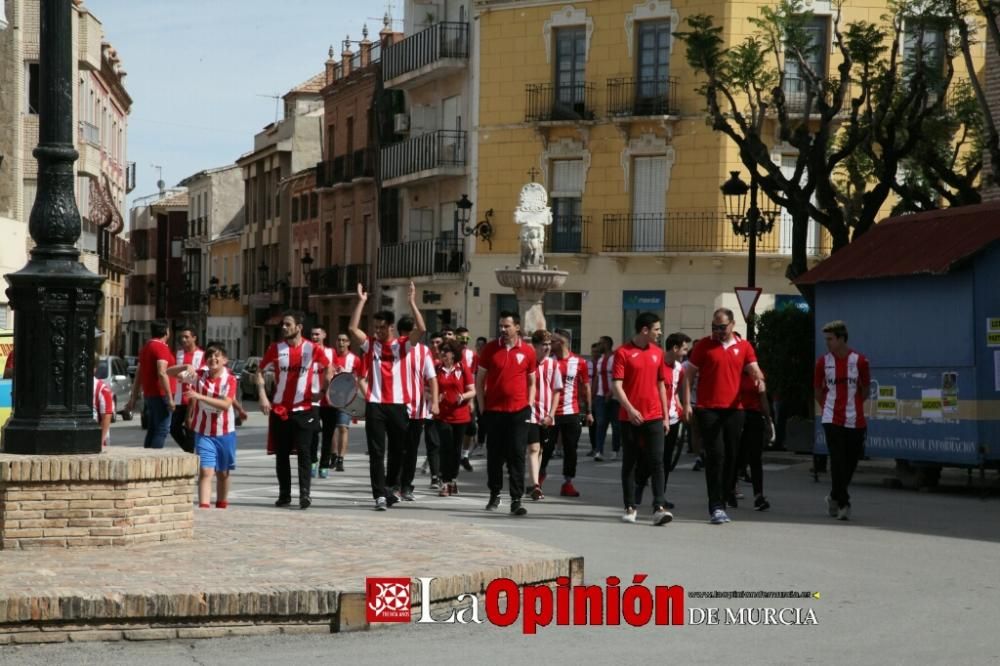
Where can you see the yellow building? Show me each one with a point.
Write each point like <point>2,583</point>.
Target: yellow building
<point>596,101</point>
<point>226,313</point>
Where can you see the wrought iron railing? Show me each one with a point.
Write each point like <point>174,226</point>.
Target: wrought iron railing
<point>339,279</point>
<point>629,96</point>
<point>442,40</point>
<point>425,257</point>
<point>551,101</point>
<point>568,234</point>
<point>443,148</point>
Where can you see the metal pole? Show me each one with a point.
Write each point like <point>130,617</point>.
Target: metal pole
<point>753,219</point>
<point>54,297</point>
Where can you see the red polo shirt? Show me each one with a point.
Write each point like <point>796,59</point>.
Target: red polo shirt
<point>641,371</point>
<point>153,351</point>
<point>720,369</point>
<point>507,373</point>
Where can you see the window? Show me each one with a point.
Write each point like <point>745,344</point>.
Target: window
<point>563,310</point>
<point>350,135</point>
<point>421,224</point>
<point>567,198</point>
<point>331,140</point>
<point>815,57</point>
<point>653,63</point>
<point>295,209</point>
<point>33,88</point>
<point>175,248</point>
<point>347,241</point>
<point>313,205</point>
<point>571,60</point>
<point>923,42</point>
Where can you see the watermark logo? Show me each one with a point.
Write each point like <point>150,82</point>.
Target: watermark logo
<point>388,599</point>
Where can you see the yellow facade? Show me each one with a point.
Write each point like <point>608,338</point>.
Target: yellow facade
<point>227,316</point>
<point>701,260</point>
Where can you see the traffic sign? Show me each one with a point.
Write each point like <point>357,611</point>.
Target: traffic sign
<point>747,296</point>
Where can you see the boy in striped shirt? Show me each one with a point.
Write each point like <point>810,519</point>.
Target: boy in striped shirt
<point>213,421</point>
<point>548,392</point>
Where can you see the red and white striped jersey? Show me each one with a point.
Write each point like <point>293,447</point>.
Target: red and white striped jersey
<point>294,368</point>
<point>209,420</point>
<point>418,371</point>
<point>839,380</point>
<point>319,399</point>
<point>602,376</point>
<point>384,370</point>
<point>574,377</point>
<point>548,380</point>
<point>673,376</point>
<point>195,358</point>
<point>104,404</point>
<point>470,360</point>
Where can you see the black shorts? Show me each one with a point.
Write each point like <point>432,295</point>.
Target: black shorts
<point>534,433</point>
<point>470,428</point>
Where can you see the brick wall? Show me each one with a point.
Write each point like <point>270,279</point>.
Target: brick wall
<point>115,498</point>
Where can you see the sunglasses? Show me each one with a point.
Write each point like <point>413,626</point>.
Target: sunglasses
<point>719,327</point>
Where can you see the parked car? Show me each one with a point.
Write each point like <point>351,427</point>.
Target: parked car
<point>113,371</point>
<point>248,379</point>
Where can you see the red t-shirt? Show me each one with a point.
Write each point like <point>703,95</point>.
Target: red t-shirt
<point>641,373</point>
<point>720,368</point>
<point>153,351</point>
<point>452,384</point>
<point>839,380</point>
<point>749,395</point>
<point>507,372</point>
<point>294,368</point>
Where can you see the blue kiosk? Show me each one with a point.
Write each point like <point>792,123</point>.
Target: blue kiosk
<point>921,298</point>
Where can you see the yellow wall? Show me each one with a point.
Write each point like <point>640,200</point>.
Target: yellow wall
<point>228,247</point>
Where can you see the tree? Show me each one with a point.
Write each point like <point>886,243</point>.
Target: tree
<point>860,135</point>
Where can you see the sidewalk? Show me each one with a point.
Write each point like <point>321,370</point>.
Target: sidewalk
<point>252,571</point>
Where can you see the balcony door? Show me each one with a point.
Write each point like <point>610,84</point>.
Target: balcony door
<point>452,146</point>
<point>785,223</point>
<point>819,43</point>
<point>653,67</point>
<point>567,196</point>
<point>649,198</point>
<point>571,64</point>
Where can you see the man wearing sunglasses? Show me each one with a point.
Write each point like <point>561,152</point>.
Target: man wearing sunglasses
<point>718,363</point>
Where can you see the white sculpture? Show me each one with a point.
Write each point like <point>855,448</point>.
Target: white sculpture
<point>533,214</point>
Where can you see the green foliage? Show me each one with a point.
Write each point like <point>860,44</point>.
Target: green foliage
<point>785,352</point>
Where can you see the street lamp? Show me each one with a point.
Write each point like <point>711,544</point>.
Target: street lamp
<point>307,261</point>
<point>55,298</point>
<point>750,223</point>
<point>482,230</point>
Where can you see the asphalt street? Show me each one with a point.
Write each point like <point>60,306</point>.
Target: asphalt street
<point>912,578</point>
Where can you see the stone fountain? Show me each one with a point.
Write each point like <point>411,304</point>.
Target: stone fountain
<point>532,278</point>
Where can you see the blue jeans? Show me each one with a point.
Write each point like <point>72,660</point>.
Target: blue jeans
<point>605,413</point>
<point>157,422</point>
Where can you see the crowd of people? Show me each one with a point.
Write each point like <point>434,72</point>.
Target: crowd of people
<point>526,399</point>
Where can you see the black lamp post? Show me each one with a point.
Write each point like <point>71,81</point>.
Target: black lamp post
<point>750,223</point>
<point>307,261</point>
<point>54,297</point>
<point>483,229</point>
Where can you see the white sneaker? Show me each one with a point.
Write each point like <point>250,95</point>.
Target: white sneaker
<point>662,517</point>
<point>831,507</point>
<point>598,457</point>
<point>844,513</point>
<point>629,516</point>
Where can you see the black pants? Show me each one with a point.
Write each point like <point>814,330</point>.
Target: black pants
<point>481,430</point>
<point>179,431</point>
<point>720,440</point>
<point>847,447</point>
<point>642,471</point>
<point>408,464</point>
<point>567,427</point>
<point>450,438</point>
<point>506,441</point>
<point>295,433</point>
<point>642,447</point>
<point>752,450</point>
<point>384,422</point>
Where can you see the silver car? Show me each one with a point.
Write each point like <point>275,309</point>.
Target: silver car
<point>113,371</point>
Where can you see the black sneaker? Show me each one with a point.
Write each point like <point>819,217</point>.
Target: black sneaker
<point>516,509</point>
<point>732,502</point>
<point>435,483</point>
<point>667,504</point>
<point>494,503</point>
<point>305,503</point>
<point>391,499</point>
<point>698,465</point>
<point>340,464</point>
<point>761,503</point>
<point>283,501</point>
<point>466,465</point>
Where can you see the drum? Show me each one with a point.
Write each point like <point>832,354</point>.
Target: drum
<point>343,390</point>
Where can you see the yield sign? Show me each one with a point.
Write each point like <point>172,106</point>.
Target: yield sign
<point>747,296</point>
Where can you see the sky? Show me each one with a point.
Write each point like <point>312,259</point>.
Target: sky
<point>197,70</point>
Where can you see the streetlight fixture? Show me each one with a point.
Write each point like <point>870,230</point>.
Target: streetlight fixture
<point>749,222</point>
<point>306,261</point>
<point>482,230</point>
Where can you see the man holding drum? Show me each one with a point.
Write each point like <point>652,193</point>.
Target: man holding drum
<point>347,363</point>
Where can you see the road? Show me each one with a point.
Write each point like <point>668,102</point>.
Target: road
<point>913,577</point>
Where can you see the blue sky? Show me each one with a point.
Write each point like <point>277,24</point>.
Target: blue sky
<point>196,68</point>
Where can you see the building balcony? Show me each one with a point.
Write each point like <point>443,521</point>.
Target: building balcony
<point>568,234</point>
<point>88,145</point>
<point>550,102</point>
<point>339,280</point>
<point>697,232</point>
<point>346,169</point>
<point>629,97</point>
<point>427,157</point>
<point>424,258</point>
<point>433,53</point>
<point>797,96</point>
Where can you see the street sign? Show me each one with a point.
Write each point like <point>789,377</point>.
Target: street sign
<point>747,296</point>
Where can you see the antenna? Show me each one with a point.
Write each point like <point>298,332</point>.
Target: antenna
<point>276,98</point>
<point>160,185</point>
<point>387,20</point>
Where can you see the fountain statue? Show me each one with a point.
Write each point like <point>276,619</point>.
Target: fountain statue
<point>532,278</point>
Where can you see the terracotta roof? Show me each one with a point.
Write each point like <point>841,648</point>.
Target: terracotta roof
<point>312,85</point>
<point>176,200</point>
<point>932,243</point>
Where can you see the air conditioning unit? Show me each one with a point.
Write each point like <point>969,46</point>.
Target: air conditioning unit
<point>401,123</point>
